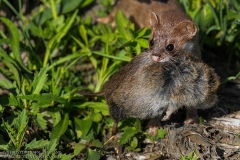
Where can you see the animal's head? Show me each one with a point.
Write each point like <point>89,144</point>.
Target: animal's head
<point>172,32</point>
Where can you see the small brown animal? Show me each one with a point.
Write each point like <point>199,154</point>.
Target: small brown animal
<point>138,11</point>
<point>165,78</point>
<point>146,89</point>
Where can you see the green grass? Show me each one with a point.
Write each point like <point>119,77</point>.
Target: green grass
<point>65,54</point>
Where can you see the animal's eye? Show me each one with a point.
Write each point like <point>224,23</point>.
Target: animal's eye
<point>170,47</point>
<point>151,42</point>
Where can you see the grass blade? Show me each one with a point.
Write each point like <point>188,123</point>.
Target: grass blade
<point>14,71</point>
<point>214,13</point>
<point>126,59</point>
<point>45,96</point>
<point>68,58</point>
<point>39,80</point>
<point>14,41</point>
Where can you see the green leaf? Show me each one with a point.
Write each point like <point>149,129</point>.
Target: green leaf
<point>4,147</point>
<point>67,58</point>
<point>70,95</point>
<point>41,104</point>
<point>94,61</point>
<point>56,116</point>
<point>41,121</point>
<point>20,135</point>
<point>129,132</point>
<point>201,120</point>
<point>122,42</point>
<point>97,106</point>
<point>83,125</point>
<point>137,48</point>
<point>204,15</point>
<point>161,133</point>
<point>182,157</point>
<point>122,23</point>
<point>52,146</point>
<point>83,34</point>
<point>34,144</point>
<point>142,42</point>
<point>13,100</point>
<point>96,143</point>
<point>107,37</point>
<point>9,59</point>
<point>14,71</point>
<point>78,148</point>
<point>80,43</point>
<point>96,117</point>
<point>1,112</point>
<point>39,80</point>
<point>4,41</point>
<point>21,119</point>
<point>131,122</point>
<point>134,143</point>
<point>20,124</point>
<point>126,59</point>
<point>44,96</point>
<point>93,155</point>
<point>11,132</point>
<point>60,128</point>
<point>86,3</point>
<point>111,70</point>
<point>140,33</point>
<point>212,28</point>
<point>6,84</point>
<point>64,156</point>
<point>213,13</point>
<point>14,41</point>
<point>106,3</point>
<point>190,155</point>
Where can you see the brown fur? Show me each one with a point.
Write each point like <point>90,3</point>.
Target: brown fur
<point>139,11</point>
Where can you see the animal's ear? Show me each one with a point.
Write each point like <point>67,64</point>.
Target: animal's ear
<point>187,29</point>
<point>154,20</point>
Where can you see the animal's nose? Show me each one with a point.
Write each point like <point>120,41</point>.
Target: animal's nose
<point>155,58</point>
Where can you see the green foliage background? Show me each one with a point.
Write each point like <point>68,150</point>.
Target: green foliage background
<point>55,50</point>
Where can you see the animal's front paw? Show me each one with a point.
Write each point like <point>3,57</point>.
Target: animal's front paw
<point>191,117</point>
<point>169,112</point>
<point>193,120</point>
<point>166,117</point>
<point>153,125</point>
